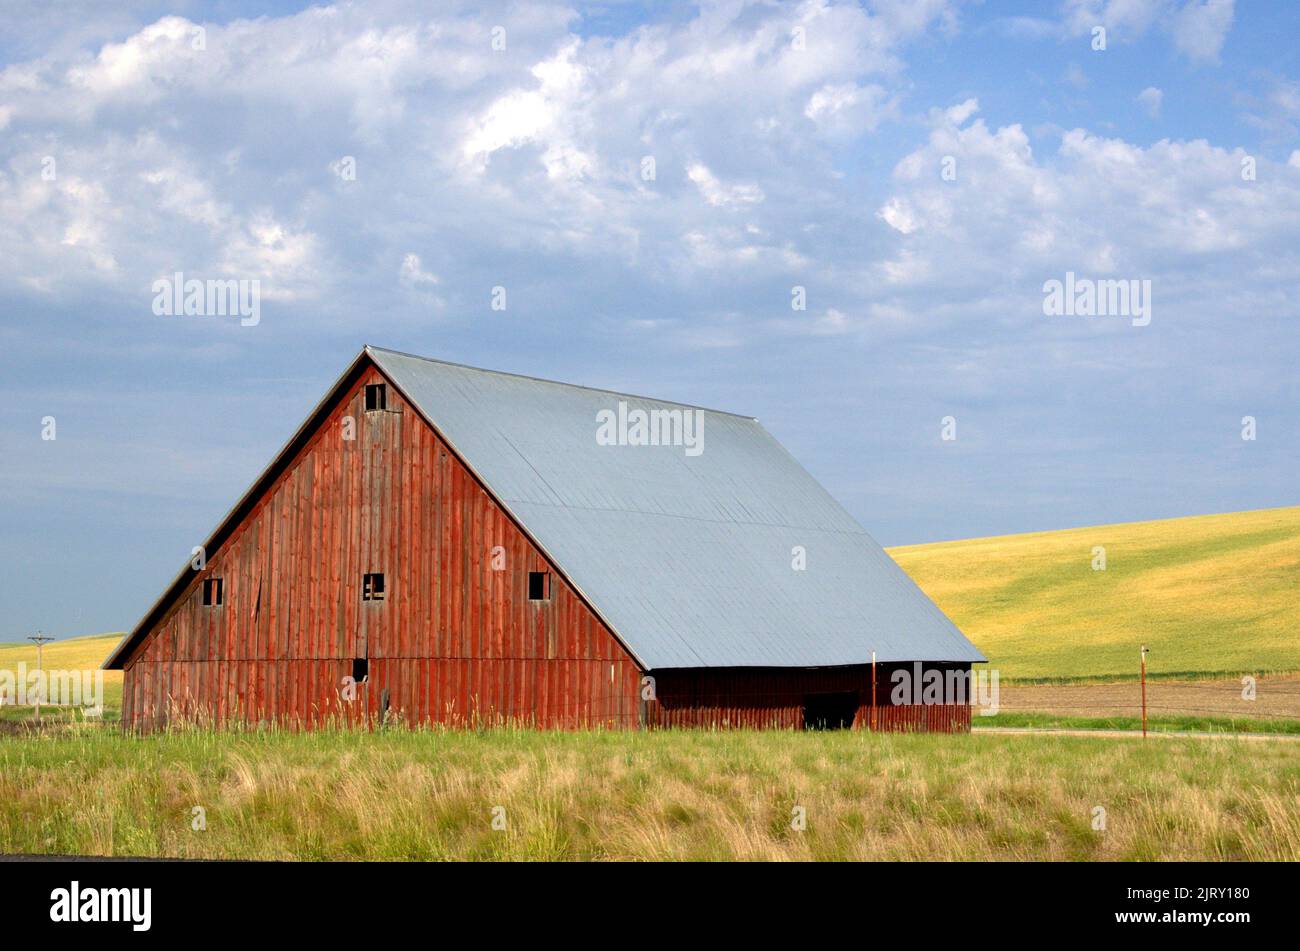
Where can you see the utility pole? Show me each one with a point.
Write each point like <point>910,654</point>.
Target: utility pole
<point>40,640</point>
<point>1144,691</point>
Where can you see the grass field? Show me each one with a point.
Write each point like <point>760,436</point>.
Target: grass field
<point>1210,595</point>
<point>430,794</point>
<point>76,653</point>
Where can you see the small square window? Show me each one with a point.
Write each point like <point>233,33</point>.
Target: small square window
<point>539,586</point>
<point>360,670</point>
<point>212,592</point>
<point>376,396</point>
<point>372,587</point>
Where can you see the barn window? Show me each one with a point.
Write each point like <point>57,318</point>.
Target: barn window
<point>376,396</point>
<point>539,586</point>
<point>372,587</point>
<point>360,670</point>
<point>212,592</point>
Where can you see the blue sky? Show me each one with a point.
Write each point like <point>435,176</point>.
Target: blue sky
<point>794,145</point>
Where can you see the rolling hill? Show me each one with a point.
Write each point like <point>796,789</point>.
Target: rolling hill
<point>75,653</point>
<point>1210,595</point>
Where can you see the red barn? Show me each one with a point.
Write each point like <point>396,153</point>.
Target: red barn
<point>442,543</point>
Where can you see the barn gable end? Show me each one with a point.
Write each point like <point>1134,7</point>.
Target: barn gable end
<point>455,637</point>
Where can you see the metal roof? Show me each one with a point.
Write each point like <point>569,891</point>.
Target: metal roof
<point>688,558</point>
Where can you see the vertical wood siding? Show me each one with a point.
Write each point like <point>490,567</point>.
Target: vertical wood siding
<point>453,641</point>
<point>773,698</point>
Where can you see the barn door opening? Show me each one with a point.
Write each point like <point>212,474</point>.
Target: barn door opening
<point>829,711</point>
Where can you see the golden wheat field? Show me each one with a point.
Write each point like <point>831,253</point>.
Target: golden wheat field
<point>1210,595</point>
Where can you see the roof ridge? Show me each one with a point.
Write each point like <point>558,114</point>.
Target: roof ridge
<point>541,379</point>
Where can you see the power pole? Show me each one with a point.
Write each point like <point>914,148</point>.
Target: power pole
<point>40,640</point>
<point>1144,691</point>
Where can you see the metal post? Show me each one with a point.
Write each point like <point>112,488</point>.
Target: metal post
<point>40,639</point>
<point>873,690</point>
<point>1144,691</point>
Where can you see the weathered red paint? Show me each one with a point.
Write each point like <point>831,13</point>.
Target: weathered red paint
<point>455,640</point>
<point>775,698</point>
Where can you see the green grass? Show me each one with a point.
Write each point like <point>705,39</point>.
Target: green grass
<point>1210,595</point>
<point>430,794</point>
<point>1160,724</point>
<point>76,653</point>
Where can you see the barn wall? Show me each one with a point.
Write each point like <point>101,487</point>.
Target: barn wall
<point>773,698</point>
<point>453,641</point>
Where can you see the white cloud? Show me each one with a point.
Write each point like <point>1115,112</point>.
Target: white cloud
<point>1198,28</point>
<point>958,114</point>
<point>848,109</point>
<point>1150,99</point>
<point>412,272</point>
<point>224,154</point>
<point>898,214</point>
<point>1176,212</point>
<point>718,194</point>
<point>534,115</point>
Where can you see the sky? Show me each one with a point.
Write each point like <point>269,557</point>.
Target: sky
<point>652,189</point>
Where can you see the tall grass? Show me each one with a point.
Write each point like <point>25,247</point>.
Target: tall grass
<point>430,794</point>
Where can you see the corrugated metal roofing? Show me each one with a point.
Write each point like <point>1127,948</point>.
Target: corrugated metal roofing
<point>687,558</point>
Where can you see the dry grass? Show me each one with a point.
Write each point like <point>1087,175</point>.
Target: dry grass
<point>430,794</point>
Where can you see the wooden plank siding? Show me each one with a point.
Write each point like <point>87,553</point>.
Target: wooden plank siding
<point>773,698</point>
<point>453,641</point>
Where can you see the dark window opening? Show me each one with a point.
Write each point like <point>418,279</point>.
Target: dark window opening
<point>829,711</point>
<point>539,586</point>
<point>212,592</point>
<point>376,396</point>
<point>372,587</point>
<point>360,670</point>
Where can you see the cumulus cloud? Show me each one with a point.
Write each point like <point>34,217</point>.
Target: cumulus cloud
<point>1197,28</point>
<point>413,273</point>
<point>1201,27</point>
<point>1178,212</point>
<point>1150,100</point>
<point>718,194</point>
<point>451,144</point>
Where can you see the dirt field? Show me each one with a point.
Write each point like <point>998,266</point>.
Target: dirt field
<point>1274,697</point>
